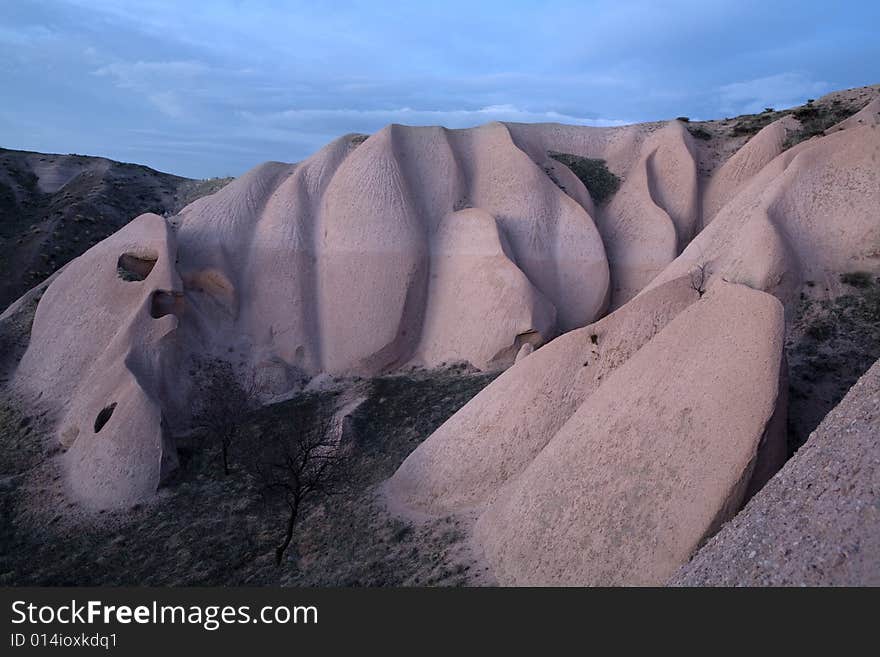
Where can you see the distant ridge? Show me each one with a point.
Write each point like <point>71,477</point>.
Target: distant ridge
<point>55,207</point>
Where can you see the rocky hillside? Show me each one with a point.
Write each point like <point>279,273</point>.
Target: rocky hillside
<point>53,208</point>
<point>674,305</point>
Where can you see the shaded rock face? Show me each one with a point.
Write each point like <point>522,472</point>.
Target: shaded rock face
<point>108,389</point>
<point>421,246</point>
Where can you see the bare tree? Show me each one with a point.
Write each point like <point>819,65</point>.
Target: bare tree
<point>222,405</point>
<point>296,464</point>
<point>699,278</point>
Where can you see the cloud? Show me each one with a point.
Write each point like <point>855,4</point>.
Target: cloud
<point>168,103</point>
<point>225,85</point>
<point>135,72</point>
<point>778,91</point>
<point>157,81</point>
<point>340,121</point>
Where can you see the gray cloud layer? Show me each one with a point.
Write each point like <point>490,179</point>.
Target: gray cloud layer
<point>213,88</point>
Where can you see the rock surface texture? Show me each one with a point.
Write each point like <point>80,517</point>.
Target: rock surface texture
<point>817,522</point>
<point>596,460</point>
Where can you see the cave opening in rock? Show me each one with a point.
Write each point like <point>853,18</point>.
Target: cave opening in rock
<point>131,268</point>
<point>104,416</point>
<point>164,303</point>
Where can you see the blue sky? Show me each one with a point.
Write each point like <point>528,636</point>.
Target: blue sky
<point>213,88</point>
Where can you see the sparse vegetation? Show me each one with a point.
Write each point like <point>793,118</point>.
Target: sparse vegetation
<point>593,173</point>
<point>42,231</point>
<point>860,279</point>
<point>700,133</point>
<point>820,329</point>
<point>298,462</point>
<point>815,119</point>
<point>751,124</point>
<point>832,343</point>
<point>210,529</point>
<point>193,190</point>
<point>223,405</point>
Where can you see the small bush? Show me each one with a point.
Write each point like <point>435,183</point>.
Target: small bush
<point>860,279</point>
<point>594,173</point>
<point>821,330</point>
<point>751,124</point>
<point>700,133</point>
<point>683,119</point>
<point>806,113</point>
<point>815,119</point>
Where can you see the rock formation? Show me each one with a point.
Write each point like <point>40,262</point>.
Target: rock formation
<point>664,450</point>
<point>817,522</point>
<point>571,458</point>
<point>98,355</point>
<point>645,397</point>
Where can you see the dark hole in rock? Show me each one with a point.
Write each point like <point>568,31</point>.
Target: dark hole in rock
<point>132,268</point>
<point>104,416</point>
<point>164,303</point>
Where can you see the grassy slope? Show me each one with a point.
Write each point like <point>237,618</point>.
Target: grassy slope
<point>831,343</point>
<point>40,232</point>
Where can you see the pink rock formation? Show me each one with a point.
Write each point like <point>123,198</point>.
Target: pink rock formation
<point>426,245</point>
<point>744,164</point>
<point>655,213</point>
<point>808,215</point>
<point>356,242</point>
<point>501,430</point>
<point>473,277</point>
<point>97,355</point>
<point>584,481</point>
<point>658,456</point>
